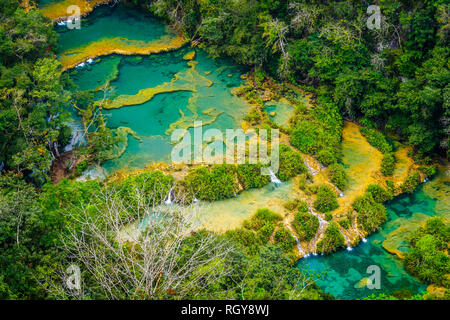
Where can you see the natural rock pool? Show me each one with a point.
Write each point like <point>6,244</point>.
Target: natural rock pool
<point>167,86</point>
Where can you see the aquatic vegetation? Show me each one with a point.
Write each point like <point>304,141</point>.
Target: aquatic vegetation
<point>119,45</point>
<point>250,176</point>
<point>376,139</point>
<point>262,217</point>
<point>57,10</point>
<point>143,95</point>
<point>379,194</point>
<point>291,163</point>
<point>411,182</point>
<point>122,138</point>
<point>388,164</point>
<point>189,55</point>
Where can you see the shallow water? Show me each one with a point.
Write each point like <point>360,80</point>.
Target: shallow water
<point>345,269</point>
<point>160,92</point>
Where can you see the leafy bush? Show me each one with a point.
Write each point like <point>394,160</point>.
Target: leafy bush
<point>378,193</point>
<point>326,199</point>
<point>332,240</point>
<point>306,225</point>
<point>338,176</point>
<point>250,176</point>
<point>388,164</point>
<point>245,237</point>
<point>376,139</point>
<point>260,218</point>
<point>411,182</point>
<point>215,183</point>
<point>346,222</point>
<point>428,258</point>
<point>291,163</point>
<point>284,239</point>
<point>429,171</point>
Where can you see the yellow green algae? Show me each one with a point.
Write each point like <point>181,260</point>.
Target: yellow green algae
<point>189,55</point>
<point>57,10</point>
<point>122,135</point>
<point>119,45</point>
<point>115,30</point>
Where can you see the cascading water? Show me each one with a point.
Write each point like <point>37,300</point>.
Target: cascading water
<point>77,137</point>
<point>310,169</point>
<point>299,246</point>
<point>341,194</point>
<point>169,197</point>
<point>273,177</point>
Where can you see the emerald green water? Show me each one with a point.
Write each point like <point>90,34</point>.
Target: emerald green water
<point>211,100</point>
<point>344,269</point>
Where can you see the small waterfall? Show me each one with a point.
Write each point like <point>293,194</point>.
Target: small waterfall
<point>169,197</point>
<point>310,169</point>
<point>273,177</point>
<point>364,240</point>
<point>341,194</point>
<point>299,246</point>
